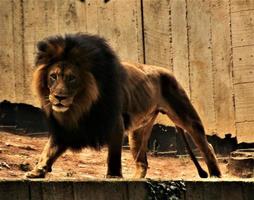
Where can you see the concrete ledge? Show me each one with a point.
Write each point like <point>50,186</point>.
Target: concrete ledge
<point>43,189</point>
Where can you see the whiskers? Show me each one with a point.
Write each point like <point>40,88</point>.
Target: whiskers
<point>46,102</point>
<point>46,105</point>
<point>46,97</point>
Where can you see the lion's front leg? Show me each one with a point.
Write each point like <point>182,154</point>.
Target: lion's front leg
<point>49,155</point>
<point>115,152</point>
<point>114,161</point>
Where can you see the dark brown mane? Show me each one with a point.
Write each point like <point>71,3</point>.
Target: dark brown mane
<point>98,99</point>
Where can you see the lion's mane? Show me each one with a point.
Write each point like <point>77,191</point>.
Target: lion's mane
<point>98,103</point>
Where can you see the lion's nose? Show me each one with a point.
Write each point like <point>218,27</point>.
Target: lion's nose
<point>60,97</point>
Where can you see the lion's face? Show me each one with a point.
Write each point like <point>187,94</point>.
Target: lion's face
<point>63,81</point>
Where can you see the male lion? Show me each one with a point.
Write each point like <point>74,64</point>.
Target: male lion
<point>91,99</point>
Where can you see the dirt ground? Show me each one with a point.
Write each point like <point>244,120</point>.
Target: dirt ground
<point>20,153</point>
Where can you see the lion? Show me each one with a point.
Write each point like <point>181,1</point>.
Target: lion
<point>91,99</point>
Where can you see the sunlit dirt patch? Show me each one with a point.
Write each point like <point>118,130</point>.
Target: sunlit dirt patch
<point>20,153</point>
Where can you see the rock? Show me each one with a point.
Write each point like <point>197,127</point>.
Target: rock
<point>26,147</point>
<point>241,163</point>
<point>25,167</point>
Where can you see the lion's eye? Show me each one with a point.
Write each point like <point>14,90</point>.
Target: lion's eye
<point>53,77</point>
<point>71,78</point>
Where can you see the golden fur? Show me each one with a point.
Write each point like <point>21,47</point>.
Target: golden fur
<point>150,90</point>
<point>106,99</point>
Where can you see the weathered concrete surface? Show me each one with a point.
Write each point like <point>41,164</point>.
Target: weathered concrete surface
<point>70,189</point>
<point>208,45</point>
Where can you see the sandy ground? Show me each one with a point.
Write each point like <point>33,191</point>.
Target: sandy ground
<point>20,153</point>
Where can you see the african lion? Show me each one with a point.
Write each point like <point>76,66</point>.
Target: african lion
<point>91,99</point>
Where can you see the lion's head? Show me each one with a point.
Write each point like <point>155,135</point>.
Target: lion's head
<point>62,84</point>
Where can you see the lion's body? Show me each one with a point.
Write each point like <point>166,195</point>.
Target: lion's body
<point>109,98</point>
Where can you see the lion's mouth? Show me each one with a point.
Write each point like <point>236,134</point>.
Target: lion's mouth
<point>60,107</point>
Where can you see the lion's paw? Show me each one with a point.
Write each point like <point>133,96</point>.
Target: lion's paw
<point>110,176</point>
<point>36,173</point>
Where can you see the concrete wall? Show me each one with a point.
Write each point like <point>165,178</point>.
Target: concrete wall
<point>119,190</point>
<point>208,45</point>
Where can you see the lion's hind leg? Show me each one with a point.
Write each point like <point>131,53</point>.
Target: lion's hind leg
<point>139,153</point>
<point>202,173</point>
<point>196,131</point>
<point>138,141</point>
<point>182,113</point>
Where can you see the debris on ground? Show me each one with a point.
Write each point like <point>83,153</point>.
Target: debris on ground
<point>25,167</point>
<point>4,165</point>
<point>26,147</point>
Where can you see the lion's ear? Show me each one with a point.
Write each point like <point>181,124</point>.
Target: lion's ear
<point>45,53</point>
<point>49,50</point>
<point>42,46</point>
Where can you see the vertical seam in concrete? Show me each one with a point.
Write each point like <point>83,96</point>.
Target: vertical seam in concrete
<point>73,190</point>
<point>213,67</point>
<point>75,22</point>
<point>13,42</point>
<point>127,191</point>
<point>97,13</point>
<point>125,195</point>
<point>41,191</point>
<point>29,191</point>
<point>45,17</point>
<point>232,65</point>
<point>116,26</point>
<point>170,36</point>
<point>57,18</point>
<point>188,47</point>
<point>23,44</point>
<point>139,33</point>
<point>143,30</point>
<point>242,188</point>
<point>86,6</point>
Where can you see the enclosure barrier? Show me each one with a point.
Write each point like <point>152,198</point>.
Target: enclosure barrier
<point>71,189</point>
